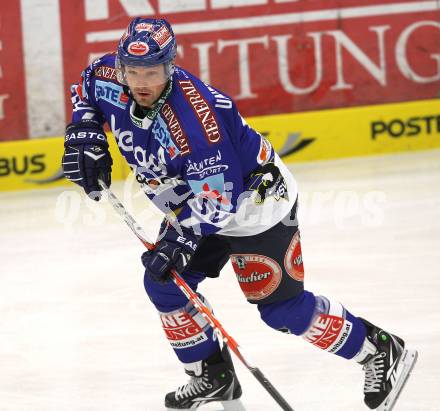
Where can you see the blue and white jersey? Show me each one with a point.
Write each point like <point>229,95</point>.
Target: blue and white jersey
<point>193,153</point>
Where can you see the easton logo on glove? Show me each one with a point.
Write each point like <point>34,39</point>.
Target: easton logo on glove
<point>188,243</point>
<point>86,131</point>
<point>73,137</point>
<point>86,157</point>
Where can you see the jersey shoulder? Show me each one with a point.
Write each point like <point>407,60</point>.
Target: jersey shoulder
<point>211,110</point>
<point>192,86</point>
<point>102,87</point>
<point>104,69</point>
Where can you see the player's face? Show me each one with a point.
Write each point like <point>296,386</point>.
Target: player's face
<point>146,83</point>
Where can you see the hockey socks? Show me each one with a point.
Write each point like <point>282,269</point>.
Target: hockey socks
<point>329,326</point>
<point>320,321</point>
<point>187,331</point>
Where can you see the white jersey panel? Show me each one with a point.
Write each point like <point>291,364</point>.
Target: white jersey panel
<point>253,218</point>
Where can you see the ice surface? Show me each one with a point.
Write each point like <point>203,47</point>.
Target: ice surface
<point>78,333</point>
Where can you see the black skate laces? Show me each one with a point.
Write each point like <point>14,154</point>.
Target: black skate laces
<point>374,372</point>
<point>195,386</point>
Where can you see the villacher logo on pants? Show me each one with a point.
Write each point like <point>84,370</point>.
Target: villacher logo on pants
<point>259,276</point>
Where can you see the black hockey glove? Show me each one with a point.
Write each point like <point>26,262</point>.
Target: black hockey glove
<point>173,251</point>
<point>86,156</point>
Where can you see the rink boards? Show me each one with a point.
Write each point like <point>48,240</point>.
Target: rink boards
<point>35,164</point>
<point>307,136</point>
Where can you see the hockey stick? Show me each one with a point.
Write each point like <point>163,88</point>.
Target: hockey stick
<point>197,302</point>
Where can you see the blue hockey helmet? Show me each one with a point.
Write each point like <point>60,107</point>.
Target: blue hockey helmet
<point>146,42</point>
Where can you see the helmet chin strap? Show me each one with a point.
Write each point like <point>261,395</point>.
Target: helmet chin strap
<point>169,68</point>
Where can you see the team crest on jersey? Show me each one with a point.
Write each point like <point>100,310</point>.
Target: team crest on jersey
<point>212,202</point>
<point>269,182</point>
<point>212,189</point>
<point>161,134</point>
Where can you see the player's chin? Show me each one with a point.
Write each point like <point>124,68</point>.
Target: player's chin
<point>144,101</point>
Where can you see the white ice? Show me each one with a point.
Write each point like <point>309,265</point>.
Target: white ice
<point>78,333</point>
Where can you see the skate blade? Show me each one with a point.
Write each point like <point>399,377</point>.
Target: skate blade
<point>407,362</point>
<point>230,405</point>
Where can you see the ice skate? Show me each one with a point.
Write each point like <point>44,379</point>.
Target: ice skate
<point>211,380</point>
<point>387,365</point>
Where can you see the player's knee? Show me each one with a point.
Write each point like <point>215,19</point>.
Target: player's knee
<point>292,315</point>
<point>166,297</point>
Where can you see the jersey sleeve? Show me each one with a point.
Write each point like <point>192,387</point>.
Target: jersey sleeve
<point>252,148</point>
<point>83,98</point>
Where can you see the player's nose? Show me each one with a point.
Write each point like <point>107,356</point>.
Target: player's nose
<point>141,83</point>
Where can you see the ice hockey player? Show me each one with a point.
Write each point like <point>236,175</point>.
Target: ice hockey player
<point>226,196</point>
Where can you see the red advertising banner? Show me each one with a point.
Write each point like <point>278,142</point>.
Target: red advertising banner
<point>13,119</point>
<point>278,56</point>
<point>271,56</point>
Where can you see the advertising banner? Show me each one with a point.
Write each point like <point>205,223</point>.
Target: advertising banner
<point>35,164</point>
<point>13,115</point>
<point>280,56</point>
<point>308,136</point>
<point>271,56</point>
<point>350,132</point>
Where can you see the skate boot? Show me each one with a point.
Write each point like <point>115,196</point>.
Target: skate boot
<point>387,365</point>
<point>212,379</point>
